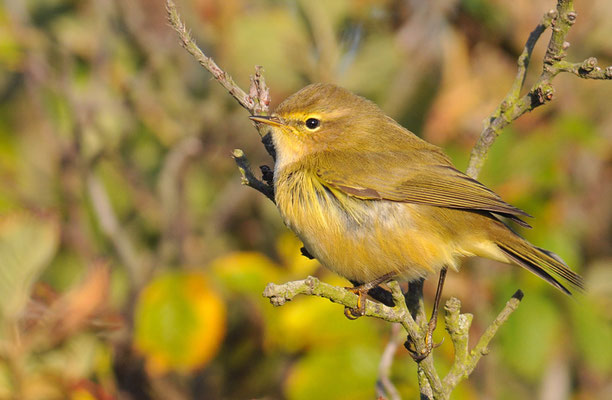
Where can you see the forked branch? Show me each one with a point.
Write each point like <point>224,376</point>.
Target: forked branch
<point>542,91</point>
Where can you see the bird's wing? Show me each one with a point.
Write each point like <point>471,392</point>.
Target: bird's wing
<point>395,176</point>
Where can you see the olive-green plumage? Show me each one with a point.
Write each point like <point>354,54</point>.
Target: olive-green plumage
<point>368,198</point>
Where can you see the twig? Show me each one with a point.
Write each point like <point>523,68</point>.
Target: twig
<point>170,188</point>
<point>280,294</point>
<point>257,102</point>
<point>458,326</point>
<point>221,76</point>
<point>111,228</point>
<point>248,178</point>
<point>481,347</point>
<point>384,384</point>
<point>542,91</point>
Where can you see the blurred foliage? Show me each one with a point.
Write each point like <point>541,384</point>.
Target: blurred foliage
<point>132,261</point>
<point>179,323</point>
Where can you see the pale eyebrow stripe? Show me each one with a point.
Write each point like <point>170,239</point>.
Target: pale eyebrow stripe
<point>299,116</point>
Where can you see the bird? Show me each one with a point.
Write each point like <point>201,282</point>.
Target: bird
<point>373,202</point>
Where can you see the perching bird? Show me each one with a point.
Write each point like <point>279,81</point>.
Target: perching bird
<point>372,201</point>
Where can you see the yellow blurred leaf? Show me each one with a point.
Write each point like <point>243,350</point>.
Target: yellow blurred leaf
<point>81,394</point>
<point>179,322</point>
<point>246,272</point>
<point>347,372</point>
<point>288,247</point>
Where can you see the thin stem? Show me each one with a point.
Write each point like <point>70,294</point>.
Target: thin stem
<point>248,178</point>
<point>220,75</point>
<point>384,384</point>
<point>458,326</point>
<point>514,105</point>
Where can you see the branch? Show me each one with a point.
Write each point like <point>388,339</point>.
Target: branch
<point>257,102</point>
<point>190,45</point>
<point>280,294</point>
<point>384,384</point>
<point>542,91</point>
<point>458,326</point>
<point>248,178</point>
<point>138,269</point>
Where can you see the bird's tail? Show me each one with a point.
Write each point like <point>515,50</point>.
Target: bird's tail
<point>545,264</point>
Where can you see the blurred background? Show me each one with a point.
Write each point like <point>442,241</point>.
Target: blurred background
<point>132,260</point>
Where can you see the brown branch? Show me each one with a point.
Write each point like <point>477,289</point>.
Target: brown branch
<point>248,178</point>
<point>257,102</point>
<point>220,75</point>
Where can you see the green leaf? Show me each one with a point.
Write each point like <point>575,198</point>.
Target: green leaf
<point>245,272</point>
<point>593,335</point>
<point>27,244</point>
<point>530,336</point>
<point>344,372</point>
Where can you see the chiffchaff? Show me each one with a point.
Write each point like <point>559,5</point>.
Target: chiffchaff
<point>370,200</point>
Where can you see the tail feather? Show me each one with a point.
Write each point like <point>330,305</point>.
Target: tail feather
<point>545,264</point>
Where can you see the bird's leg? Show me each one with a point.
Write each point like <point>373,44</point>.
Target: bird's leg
<point>433,321</point>
<point>361,291</point>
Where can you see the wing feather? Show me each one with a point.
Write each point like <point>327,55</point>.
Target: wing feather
<point>395,176</point>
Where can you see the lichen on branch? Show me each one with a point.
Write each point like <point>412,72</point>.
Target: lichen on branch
<point>541,92</point>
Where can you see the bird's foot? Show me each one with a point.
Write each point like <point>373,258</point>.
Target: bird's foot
<point>354,313</point>
<point>362,291</point>
<point>419,356</point>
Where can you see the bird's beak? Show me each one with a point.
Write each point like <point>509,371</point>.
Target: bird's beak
<point>271,120</point>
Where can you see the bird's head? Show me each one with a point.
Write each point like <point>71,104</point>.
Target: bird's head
<point>321,117</point>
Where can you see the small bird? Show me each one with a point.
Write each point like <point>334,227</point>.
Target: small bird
<point>373,202</point>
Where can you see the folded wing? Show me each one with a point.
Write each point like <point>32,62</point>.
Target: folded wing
<point>398,176</point>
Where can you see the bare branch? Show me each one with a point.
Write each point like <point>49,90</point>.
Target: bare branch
<point>256,102</point>
<point>248,178</point>
<point>587,69</point>
<point>110,226</point>
<point>542,91</point>
<point>384,384</point>
<point>280,294</point>
<point>458,326</point>
<point>190,45</point>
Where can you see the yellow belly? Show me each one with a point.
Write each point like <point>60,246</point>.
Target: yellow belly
<point>366,239</point>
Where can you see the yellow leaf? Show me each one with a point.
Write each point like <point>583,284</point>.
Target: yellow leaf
<point>179,322</point>
<point>245,272</point>
<point>288,247</point>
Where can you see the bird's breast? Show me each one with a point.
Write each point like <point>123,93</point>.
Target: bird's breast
<point>358,239</point>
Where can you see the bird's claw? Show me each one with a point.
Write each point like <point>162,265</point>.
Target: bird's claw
<point>419,356</point>
<point>354,313</point>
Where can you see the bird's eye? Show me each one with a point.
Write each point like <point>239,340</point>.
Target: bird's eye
<point>312,123</point>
